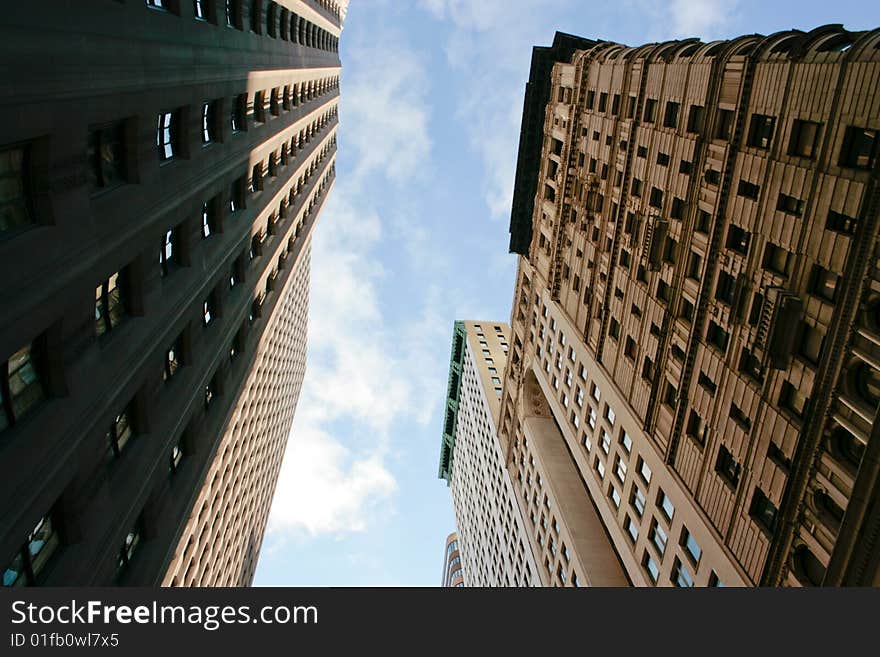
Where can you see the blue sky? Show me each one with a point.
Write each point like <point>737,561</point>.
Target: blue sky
<point>413,237</point>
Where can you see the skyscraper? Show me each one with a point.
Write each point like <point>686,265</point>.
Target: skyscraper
<point>163,166</point>
<point>694,359</point>
<point>452,577</point>
<point>492,543</point>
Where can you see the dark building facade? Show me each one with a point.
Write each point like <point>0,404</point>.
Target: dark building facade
<point>694,375</point>
<point>162,165</point>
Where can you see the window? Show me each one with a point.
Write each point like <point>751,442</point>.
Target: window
<point>631,528</point>
<point>106,156</point>
<point>30,561</point>
<point>738,239</point>
<point>237,195</point>
<point>739,416</point>
<point>727,467</point>
<point>824,283</point>
<point>175,458</point>
<point>21,387</point>
<point>804,138</point>
<point>724,126</point>
<point>209,219</point>
<point>637,500</point>
<point>656,198</point>
<point>790,205</point>
<point>696,428</point>
<point>644,471</point>
<point>172,361</point>
<point>120,432</point>
<point>620,469</point>
<point>703,223</point>
<point>168,254</point>
<point>695,118</point>
<point>690,545</point>
<point>650,110</point>
<point>680,575</point>
<point>811,343</point>
<point>686,167</point>
<point>15,200</point>
<point>603,102</point>
<point>201,9</point>
<point>706,383</point>
<point>130,545</point>
<point>859,148</point>
<point>168,135</point>
<point>233,13</point>
<point>650,567</point>
<point>761,131</point>
<point>841,223</point>
<point>776,259</point>
<point>239,113</point>
<point>763,512</point>
<point>748,190</point>
<point>670,118</point>
<point>208,310</point>
<point>666,505</point>
<point>658,537</point>
<point>717,337</point>
<point>209,122</point>
<point>614,496</point>
<point>110,306</point>
<point>159,4</point>
<point>260,106</point>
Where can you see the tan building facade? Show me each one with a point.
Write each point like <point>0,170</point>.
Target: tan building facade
<point>491,539</point>
<point>694,351</point>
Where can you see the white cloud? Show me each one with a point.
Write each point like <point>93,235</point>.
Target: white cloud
<point>362,378</point>
<point>703,18</point>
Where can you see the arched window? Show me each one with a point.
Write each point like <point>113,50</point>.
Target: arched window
<point>829,511</point>
<point>807,567</point>
<point>846,448</point>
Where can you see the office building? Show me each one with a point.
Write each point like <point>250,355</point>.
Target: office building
<point>452,577</point>
<point>491,540</point>
<point>164,163</point>
<point>695,347</point>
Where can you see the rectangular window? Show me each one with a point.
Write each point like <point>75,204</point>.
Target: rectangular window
<point>666,505</point>
<point>656,198</point>
<point>631,528</point>
<point>130,545</point>
<point>603,102</point>
<point>15,198</point>
<point>707,384</point>
<point>620,469</point>
<point>738,239</point>
<point>695,118</point>
<point>119,433</point>
<point>680,575</point>
<point>169,254</point>
<point>651,567</point>
<point>650,111</point>
<point>859,148</point>
<point>727,467</point>
<point>761,131</point>
<point>748,190</point>
<point>260,106</point>
<point>670,117</point>
<point>210,124</point>
<point>777,259</point>
<point>790,205</point>
<point>696,428</point>
<point>175,458</point>
<point>658,537</point>
<point>238,117</point>
<point>106,156</point>
<point>724,126</point>
<point>841,223</point>
<point>644,471</point>
<point>739,416</point>
<point>168,135</point>
<point>804,138</point>
<point>237,195</point>
<point>21,386</point>
<point>763,512</point>
<point>824,283</point>
<point>690,545</point>
<point>26,566</point>
<point>173,360</point>
<point>110,304</point>
<point>717,337</point>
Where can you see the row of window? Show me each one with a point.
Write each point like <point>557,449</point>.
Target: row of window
<point>280,23</point>
<point>859,148</point>
<point>27,564</point>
